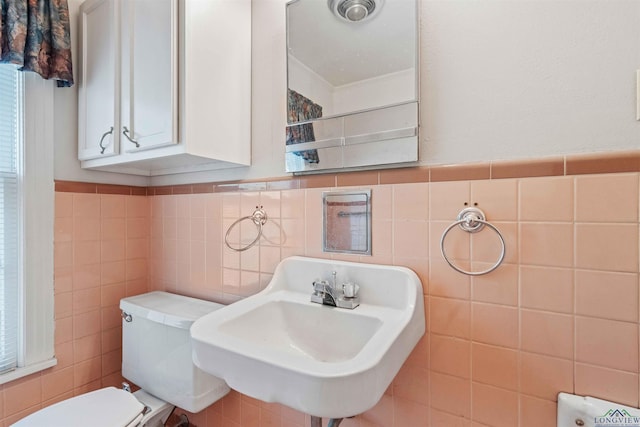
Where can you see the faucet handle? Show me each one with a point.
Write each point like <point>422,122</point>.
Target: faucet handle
<point>320,286</point>
<point>350,290</point>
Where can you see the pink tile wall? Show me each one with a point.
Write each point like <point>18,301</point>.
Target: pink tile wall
<point>101,245</point>
<point>560,314</point>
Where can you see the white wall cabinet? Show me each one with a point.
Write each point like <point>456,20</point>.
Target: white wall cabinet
<point>165,85</point>
<point>98,102</point>
<point>149,66</point>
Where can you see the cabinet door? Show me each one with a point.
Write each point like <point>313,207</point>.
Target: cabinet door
<point>98,100</point>
<point>149,74</point>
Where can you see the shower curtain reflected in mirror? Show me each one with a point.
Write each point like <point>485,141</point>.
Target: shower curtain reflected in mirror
<point>300,109</point>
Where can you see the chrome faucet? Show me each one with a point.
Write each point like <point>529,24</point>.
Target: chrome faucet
<point>345,296</point>
<point>323,293</point>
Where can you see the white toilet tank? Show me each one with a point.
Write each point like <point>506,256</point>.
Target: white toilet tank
<point>156,349</point>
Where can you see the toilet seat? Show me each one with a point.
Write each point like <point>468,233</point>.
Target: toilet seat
<point>107,407</point>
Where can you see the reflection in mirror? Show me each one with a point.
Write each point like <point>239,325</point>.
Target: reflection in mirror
<point>302,109</point>
<point>338,69</point>
<point>347,222</point>
<point>377,137</point>
<point>352,66</point>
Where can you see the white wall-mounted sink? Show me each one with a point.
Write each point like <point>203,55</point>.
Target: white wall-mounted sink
<point>277,346</point>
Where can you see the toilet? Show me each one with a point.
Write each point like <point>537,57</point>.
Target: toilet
<point>156,356</point>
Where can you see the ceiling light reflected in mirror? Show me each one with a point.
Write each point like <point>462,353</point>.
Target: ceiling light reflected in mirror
<point>355,10</point>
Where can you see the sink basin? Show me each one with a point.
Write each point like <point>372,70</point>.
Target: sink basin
<point>287,327</point>
<point>277,346</point>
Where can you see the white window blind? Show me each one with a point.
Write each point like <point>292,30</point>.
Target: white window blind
<point>26,224</point>
<point>11,93</point>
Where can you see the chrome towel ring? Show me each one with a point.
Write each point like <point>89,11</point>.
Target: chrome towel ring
<point>472,220</point>
<point>259,218</point>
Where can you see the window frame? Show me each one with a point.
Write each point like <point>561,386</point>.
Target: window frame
<point>36,189</point>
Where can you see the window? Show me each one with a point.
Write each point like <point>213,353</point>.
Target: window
<point>26,224</point>
<point>10,118</point>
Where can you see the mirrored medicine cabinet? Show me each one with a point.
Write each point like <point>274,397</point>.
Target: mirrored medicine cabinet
<point>352,84</point>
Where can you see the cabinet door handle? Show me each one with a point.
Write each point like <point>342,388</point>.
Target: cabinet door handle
<point>125,132</point>
<point>104,135</point>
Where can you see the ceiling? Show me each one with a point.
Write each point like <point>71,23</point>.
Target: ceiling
<point>345,52</point>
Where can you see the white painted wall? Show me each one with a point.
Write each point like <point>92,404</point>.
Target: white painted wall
<point>528,78</point>
<point>500,79</point>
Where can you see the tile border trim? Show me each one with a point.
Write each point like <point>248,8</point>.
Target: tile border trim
<point>96,188</point>
<point>576,164</point>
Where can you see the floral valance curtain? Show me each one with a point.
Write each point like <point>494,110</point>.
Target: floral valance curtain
<point>300,109</point>
<point>34,34</point>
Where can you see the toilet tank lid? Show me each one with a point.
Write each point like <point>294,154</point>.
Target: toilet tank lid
<point>106,407</point>
<point>170,309</point>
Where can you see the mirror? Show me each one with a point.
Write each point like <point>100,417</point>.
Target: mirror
<point>348,83</point>
<point>346,225</point>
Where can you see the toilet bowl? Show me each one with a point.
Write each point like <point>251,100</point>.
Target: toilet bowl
<point>156,356</point>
